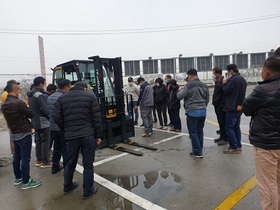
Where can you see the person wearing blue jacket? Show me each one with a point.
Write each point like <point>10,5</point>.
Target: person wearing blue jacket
<point>234,88</point>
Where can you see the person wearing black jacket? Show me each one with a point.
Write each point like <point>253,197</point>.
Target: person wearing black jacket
<point>17,113</point>
<point>218,103</point>
<point>78,114</point>
<point>174,106</point>
<point>38,104</point>
<point>234,88</point>
<point>263,105</point>
<point>161,100</point>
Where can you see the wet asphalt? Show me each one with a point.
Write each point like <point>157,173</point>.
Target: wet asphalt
<point>163,179</point>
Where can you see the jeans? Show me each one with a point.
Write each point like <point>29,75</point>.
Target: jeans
<point>87,146</point>
<point>161,111</point>
<point>59,149</point>
<point>136,114</point>
<point>146,115</point>
<point>233,129</point>
<point>221,117</point>
<point>22,158</point>
<point>195,127</point>
<point>175,116</point>
<point>43,144</point>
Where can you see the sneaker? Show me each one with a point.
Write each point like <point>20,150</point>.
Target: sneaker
<point>232,151</point>
<point>73,187</point>
<point>46,165</point>
<point>223,142</point>
<point>239,149</point>
<point>177,130</point>
<point>160,127</point>
<point>135,123</point>
<point>54,171</point>
<point>192,154</point>
<point>142,125</point>
<point>38,163</point>
<point>164,128</point>
<point>146,134</point>
<point>17,181</point>
<point>172,129</point>
<point>88,195</point>
<point>30,184</point>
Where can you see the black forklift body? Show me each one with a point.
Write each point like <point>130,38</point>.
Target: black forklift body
<point>104,78</point>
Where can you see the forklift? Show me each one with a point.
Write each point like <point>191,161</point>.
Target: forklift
<point>104,79</point>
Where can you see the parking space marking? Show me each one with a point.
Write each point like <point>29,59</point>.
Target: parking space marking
<point>143,203</point>
<point>234,198</point>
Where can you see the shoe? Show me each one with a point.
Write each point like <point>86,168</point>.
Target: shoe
<point>239,149</point>
<point>192,154</point>
<point>135,123</point>
<point>88,195</point>
<point>17,181</point>
<point>218,139</point>
<point>146,134</point>
<point>232,151</point>
<point>54,171</point>
<point>177,130</point>
<point>164,128</point>
<point>73,187</point>
<point>38,163</point>
<point>223,142</point>
<point>160,127</point>
<point>30,184</point>
<point>172,129</point>
<point>170,124</point>
<point>46,165</point>
<point>142,125</point>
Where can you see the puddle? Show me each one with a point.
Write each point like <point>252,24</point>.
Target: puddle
<point>154,186</point>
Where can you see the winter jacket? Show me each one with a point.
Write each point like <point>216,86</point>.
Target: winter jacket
<point>264,106</point>
<point>161,95</point>
<point>77,113</point>
<point>146,97</point>
<point>234,92</point>
<point>52,99</point>
<point>195,94</point>
<point>174,103</point>
<point>38,104</point>
<point>218,95</point>
<point>134,91</point>
<point>17,113</point>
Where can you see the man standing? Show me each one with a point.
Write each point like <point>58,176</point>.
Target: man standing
<point>196,98</point>
<point>218,103</point>
<point>17,113</point>
<point>263,106</point>
<point>234,88</point>
<point>133,91</point>
<point>56,133</point>
<point>78,114</point>
<point>146,103</point>
<point>38,104</point>
<point>167,79</point>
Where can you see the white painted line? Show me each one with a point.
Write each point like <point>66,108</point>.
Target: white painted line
<point>123,192</point>
<point>246,144</point>
<point>168,139</point>
<point>110,159</point>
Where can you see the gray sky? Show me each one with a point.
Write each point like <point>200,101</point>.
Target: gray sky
<point>123,28</point>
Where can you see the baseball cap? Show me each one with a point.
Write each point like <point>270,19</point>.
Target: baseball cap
<point>12,81</point>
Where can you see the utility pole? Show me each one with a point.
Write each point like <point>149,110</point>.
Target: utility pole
<point>42,56</point>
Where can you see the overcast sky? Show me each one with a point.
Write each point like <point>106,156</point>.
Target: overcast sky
<point>132,29</point>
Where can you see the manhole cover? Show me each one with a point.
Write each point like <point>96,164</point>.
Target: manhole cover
<point>4,161</point>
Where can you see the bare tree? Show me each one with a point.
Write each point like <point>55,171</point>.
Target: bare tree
<point>25,85</point>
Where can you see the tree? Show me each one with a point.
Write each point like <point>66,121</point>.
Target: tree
<point>25,85</point>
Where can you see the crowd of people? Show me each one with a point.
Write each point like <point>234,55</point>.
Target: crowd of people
<point>72,118</point>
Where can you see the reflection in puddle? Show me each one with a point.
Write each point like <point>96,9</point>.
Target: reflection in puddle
<point>155,186</point>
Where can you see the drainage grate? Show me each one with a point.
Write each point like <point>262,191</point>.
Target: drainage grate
<point>4,161</point>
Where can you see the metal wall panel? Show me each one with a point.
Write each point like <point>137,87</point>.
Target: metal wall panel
<point>132,68</point>
<point>150,66</point>
<point>185,64</point>
<point>167,66</point>
<point>257,60</point>
<point>204,63</point>
<point>221,61</point>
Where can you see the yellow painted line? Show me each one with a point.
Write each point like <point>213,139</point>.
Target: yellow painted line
<point>216,124</point>
<point>234,198</point>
